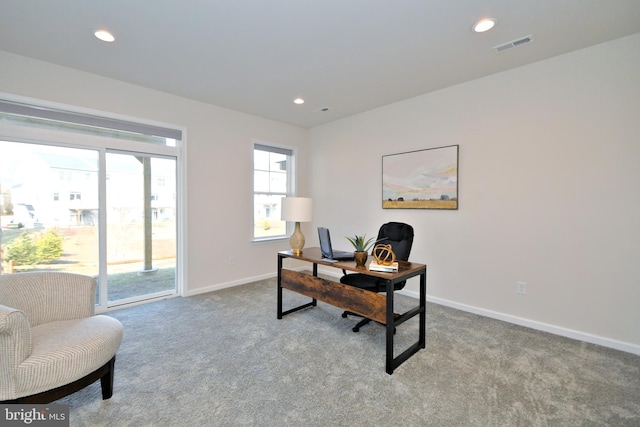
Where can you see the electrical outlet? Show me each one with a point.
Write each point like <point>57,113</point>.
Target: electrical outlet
<point>521,288</point>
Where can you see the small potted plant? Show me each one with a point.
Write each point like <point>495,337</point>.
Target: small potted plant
<point>362,246</point>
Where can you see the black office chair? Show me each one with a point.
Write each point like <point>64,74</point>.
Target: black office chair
<point>400,236</point>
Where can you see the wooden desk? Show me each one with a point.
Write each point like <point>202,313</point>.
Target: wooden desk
<point>378,307</point>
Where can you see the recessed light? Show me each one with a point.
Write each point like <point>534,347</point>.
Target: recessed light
<point>104,35</point>
<point>483,25</point>
<point>298,101</point>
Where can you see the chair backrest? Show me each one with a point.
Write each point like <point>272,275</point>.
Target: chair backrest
<point>49,296</point>
<point>400,236</point>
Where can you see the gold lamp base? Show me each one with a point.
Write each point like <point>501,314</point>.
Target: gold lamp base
<point>297,240</point>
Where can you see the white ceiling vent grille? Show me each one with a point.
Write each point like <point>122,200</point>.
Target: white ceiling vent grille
<point>515,43</point>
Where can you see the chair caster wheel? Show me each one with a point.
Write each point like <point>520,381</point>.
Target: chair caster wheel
<point>344,315</point>
<point>356,329</point>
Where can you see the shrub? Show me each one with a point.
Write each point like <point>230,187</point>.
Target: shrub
<point>38,249</point>
<point>22,250</point>
<point>49,247</point>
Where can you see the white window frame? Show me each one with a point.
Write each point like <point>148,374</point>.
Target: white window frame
<point>290,186</point>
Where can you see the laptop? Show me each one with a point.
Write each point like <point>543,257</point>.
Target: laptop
<point>327,251</point>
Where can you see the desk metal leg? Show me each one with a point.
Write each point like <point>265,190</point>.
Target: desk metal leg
<point>313,303</point>
<point>391,326</point>
<point>392,321</point>
<point>423,306</point>
<point>279,287</point>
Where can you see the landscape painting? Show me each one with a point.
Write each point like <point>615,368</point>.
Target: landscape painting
<point>423,179</point>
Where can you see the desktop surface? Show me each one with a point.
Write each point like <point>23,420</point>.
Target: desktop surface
<point>314,255</point>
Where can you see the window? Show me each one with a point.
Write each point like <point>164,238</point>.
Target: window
<point>272,180</point>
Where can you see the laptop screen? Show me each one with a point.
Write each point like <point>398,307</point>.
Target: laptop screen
<point>325,242</point>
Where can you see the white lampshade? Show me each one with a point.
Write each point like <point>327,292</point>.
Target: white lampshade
<point>296,209</point>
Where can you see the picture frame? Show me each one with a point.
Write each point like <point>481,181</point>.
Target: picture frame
<point>421,179</point>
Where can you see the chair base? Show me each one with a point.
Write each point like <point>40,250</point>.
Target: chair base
<point>104,374</point>
<point>361,323</point>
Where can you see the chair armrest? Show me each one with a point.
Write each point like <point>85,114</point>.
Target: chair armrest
<point>49,296</point>
<point>15,347</point>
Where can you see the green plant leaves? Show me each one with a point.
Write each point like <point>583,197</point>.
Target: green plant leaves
<point>361,243</point>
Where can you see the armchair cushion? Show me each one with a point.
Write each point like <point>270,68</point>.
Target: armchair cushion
<point>67,350</point>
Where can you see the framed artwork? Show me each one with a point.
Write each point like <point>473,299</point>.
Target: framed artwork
<point>423,179</point>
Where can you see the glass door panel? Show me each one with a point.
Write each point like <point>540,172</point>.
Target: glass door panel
<point>48,208</point>
<point>141,226</point>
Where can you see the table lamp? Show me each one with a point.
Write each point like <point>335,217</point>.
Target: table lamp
<point>296,209</point>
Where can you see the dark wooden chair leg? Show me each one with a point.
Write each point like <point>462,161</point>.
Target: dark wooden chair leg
<point>106,381</point>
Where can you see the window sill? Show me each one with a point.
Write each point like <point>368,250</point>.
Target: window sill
<point>270,239</point>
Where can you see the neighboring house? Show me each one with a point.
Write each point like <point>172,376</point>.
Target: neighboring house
<point>62,190</point>
<point>26,215</point>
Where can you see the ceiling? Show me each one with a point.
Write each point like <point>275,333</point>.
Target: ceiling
<point>342,56</point>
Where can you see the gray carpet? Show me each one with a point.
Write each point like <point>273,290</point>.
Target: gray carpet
<point>223,359</point>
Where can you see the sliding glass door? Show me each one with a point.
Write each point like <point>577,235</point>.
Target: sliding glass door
<point>141,226</point>
<point>50,218</point>
<point>91,195</point>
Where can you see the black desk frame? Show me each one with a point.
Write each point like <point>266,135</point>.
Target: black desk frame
<point>331,292</point>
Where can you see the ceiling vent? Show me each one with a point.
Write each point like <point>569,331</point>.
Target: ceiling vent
<point>515,43</point>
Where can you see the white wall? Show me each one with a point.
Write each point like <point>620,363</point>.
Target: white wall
<point>219,162</point>
<point>548,178</point>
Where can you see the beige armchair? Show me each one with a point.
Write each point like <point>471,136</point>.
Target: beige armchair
<point>51,342</point>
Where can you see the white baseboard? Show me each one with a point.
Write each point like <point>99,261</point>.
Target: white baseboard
<point>540,326</point>
<point>224,285</point>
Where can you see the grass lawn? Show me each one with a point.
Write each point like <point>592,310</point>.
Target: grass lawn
<point>123,281</point>
<point>127,285</point>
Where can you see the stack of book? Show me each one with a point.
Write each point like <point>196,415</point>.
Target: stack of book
<point>391,268</point>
